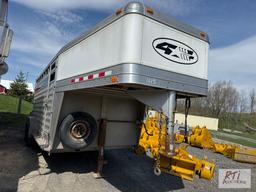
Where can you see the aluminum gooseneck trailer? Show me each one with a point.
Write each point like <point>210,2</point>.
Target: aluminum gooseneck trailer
<point>95,90</point>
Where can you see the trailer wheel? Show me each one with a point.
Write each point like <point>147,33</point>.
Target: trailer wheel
<point>78,130</point>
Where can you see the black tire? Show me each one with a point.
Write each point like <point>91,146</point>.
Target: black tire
<point>29,139</point>
<point>78,130</point>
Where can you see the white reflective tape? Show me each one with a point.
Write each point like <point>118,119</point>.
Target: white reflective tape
<point>107,73</point>
<point>95,75</point>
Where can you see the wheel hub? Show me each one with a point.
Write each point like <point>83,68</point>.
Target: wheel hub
<point>80,129</point>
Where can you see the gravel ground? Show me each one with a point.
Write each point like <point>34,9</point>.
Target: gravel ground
<point>24,169</point>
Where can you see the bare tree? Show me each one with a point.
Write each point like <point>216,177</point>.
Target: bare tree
<point>243,105</point>
<point>222,97</point>
<point>198,106</point>
<point>222,100</point>
<point>252,96</point>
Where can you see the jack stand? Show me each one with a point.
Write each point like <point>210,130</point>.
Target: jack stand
<point>170,144</point>
<point>101,143</point>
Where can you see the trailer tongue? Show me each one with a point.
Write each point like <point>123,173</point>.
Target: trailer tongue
<point>96,88</point>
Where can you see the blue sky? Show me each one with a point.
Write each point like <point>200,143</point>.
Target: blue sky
<point>42,27</point>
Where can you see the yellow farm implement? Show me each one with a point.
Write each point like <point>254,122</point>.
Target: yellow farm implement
<point>202,138</point>
<point>152,142</point>
<point>153,139</point>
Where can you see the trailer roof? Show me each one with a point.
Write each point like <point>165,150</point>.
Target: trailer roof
<point>135,8</point>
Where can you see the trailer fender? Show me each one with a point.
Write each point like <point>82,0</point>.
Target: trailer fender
<point>78,130</point>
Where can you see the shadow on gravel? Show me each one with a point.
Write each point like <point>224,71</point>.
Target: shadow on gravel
<point>130,172</point>
<point>125,170</point>
<point>16,160</point>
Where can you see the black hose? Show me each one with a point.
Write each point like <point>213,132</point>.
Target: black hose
<point>187,106</point>
<point>145,127</point>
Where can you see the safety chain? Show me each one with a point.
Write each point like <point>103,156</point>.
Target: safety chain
<point>157,169</point>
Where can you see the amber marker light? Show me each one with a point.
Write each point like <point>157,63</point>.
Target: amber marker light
<point>203,35</point>
<point>150,10</point>
<point>119,11</point>
<point>114,79</point>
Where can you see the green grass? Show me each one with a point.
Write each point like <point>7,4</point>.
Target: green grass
<point>243,141</point>
<point>239,141</point>
<point>251,135</point>
<point>9,104</point>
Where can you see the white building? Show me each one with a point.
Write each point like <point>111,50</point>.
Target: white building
<point>194,120</point>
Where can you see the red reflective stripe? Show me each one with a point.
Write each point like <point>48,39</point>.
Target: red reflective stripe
<point>90,77</point>
<point>101,74</point>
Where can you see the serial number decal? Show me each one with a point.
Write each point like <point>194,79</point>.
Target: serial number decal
<point>151,81</point>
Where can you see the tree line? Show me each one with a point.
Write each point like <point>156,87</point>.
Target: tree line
<point>225,102</point>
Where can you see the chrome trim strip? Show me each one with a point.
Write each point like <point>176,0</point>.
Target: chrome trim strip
<point>132,73</point>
